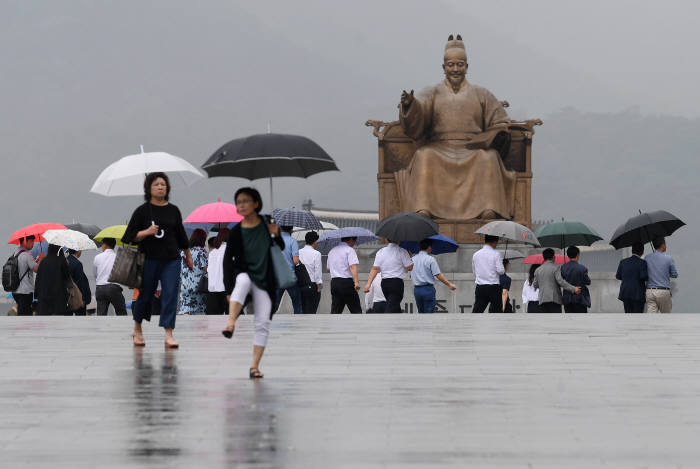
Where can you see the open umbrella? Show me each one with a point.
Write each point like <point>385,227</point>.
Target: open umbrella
<point>296,217</point>
<point>114,231</point>
<point>510,231</point>
<point>566,233</point>
<point>539,259</point>
<point>217,212</point>
<point>126,176</point>
<point>70,239</point>
<point>645,227</point>
<point>36,230</point>
<point>332,238</point>
<point>440,245</point>
<point>269,155</point>
<point>90,230</point>
<point>407,226</point>
<point>511,254</point>
<point>300,233</point>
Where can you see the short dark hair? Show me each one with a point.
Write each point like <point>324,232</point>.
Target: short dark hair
<point>211,242</point>
<point>638,249</point>
<point>424,244</point>
<point>110,242</point>
<point>548,254</point>
<point>27,238</point>
<point>490,239</point>
<point>72,251</point>
<point>311,237</point>
<point>150,179</point>
<point>348,238</point>
<point>198,238</point>
<point>505,262</point>
<point>572,251</point>
<point>253,193</point>
<point>287,228</point>
<point>658,242</point>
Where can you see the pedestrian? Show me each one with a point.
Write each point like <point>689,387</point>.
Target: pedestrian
<point>505,281</point>
<point>660,269</point>
<point>530,293</point>
<point>52,281</point>
<point>549,281</point>
<point>107,293</point>
<point>633,274</point>
<point>156,226</point>
<point>425,271</point>
<point>26,268</point>
<point>77,273</point>
<point>291,255</point>
<point>192,301</point>
<point>393,262</point>
<point>249,272</point>
<point>217,301</point>
<point>311,258</point>
<point>487,266</point>
<point>343,263</point>
<point>577,275</point>
<point>375,301</point>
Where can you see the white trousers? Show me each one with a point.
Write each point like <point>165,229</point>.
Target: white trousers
<point>659,301</point>
<point>262,306</point>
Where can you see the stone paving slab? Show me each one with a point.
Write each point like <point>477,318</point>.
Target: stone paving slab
<point>384,391</point>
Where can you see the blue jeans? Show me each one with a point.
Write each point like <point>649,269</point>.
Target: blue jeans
<point>168,272</point>
<point>425,298</point>
<point>294,294</point>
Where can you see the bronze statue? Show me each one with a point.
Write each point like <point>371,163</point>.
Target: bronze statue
<point>457,172</point>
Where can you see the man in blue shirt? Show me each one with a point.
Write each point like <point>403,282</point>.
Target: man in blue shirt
<point>577,275</point>
<point>291,254</point>
<point>660,270</point>
<point>425,269</point>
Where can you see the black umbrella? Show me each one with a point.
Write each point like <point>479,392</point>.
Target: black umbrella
<point>644,228</point>
<point>90,230</point>
<point>267,156</point>
<point>407,226</point>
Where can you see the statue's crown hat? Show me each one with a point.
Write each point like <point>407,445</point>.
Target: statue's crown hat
<point>453,43</point>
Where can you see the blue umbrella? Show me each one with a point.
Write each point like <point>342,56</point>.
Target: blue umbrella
<point>441,245</point>
<point>330,239</point>
<point>40,247</point>
<point>296,217</point>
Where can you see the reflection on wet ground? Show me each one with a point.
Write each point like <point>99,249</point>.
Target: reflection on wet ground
<point>354,391</point>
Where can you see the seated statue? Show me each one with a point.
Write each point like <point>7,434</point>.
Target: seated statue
<point>458,172</point>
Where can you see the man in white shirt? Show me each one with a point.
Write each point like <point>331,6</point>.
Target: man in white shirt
<point>392,261</point>
<point>487,266</point>
<point>217,303</point>
<point>342,264</point>
<point>375,301</point>
<point>311,258</point>
<point>107,293</point>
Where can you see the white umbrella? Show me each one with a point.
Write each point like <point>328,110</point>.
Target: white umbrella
<point>300,233</point>
<point>70,239</point>
<point>125,176</point>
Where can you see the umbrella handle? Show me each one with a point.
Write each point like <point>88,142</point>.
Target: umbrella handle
<point>160,234</point>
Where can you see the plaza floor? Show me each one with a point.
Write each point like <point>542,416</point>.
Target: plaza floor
<point>416,391</point>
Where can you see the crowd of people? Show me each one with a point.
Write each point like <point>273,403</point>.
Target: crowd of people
<point>181,277</point>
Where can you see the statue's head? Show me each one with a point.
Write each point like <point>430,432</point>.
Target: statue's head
<point>455,62</point>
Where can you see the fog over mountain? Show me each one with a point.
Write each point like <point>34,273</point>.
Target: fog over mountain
<point>84,83</point>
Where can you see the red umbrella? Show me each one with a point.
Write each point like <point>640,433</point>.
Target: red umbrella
<point>36,230</point>
<point>538,259</point>
<point>218,212</point>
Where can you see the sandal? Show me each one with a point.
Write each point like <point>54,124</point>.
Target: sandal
<point>138,340</point>
<point>254,373</point>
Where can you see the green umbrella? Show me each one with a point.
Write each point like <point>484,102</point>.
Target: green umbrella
<point>561,234</point>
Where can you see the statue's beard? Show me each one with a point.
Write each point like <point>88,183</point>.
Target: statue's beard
<point>455,80</point>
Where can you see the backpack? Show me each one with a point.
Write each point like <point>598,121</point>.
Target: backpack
<point>10,273</point>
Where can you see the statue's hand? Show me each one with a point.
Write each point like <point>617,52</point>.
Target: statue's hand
<point>407,99</point>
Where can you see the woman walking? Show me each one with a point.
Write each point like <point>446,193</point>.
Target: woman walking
<point>52,280</point>
<point>217,303</point>
<point>248,270</point>
<point>156,226</point>
<point>191,300</point>
<point>530,293</point>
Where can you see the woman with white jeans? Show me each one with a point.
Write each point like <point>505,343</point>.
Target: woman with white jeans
<point>248,271</point>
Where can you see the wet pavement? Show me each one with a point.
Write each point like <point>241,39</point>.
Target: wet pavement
<point>419,391</point>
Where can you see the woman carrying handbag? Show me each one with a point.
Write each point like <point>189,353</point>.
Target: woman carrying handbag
<point>249,270</point>
<point>156,226</point>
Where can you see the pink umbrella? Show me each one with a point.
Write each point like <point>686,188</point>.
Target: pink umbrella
<point>538,259</point>
<point>36,230</point>
<point>218,212</point>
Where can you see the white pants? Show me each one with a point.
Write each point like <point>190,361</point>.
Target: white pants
<point>262,306</point>
<point>658,301</point>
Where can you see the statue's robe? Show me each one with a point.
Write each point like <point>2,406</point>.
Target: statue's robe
<point>456,174</point>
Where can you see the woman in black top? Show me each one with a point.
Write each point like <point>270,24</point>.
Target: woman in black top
<point>248,271</point>
<point>505,282</point>
<point>157,228</point>
<point>52,280</point>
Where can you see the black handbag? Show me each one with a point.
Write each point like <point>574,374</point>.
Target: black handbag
<point>203,285</point>
<point>303,279</point>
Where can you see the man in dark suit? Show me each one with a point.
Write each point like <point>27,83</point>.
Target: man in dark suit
<point>577,275</point>
<point>75,268</point>
<point>633,273</point>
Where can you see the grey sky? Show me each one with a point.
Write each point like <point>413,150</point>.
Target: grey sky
<point>84,83</point>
